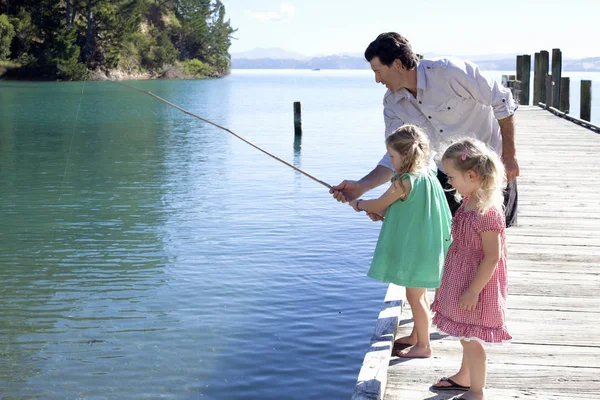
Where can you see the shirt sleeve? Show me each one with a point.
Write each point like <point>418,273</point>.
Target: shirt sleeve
<point>392,122</point>
<point>466,79</point>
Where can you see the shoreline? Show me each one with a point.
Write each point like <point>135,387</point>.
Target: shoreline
<point>172,73</point>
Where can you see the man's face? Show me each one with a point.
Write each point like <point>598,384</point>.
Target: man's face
<point>390,76</point>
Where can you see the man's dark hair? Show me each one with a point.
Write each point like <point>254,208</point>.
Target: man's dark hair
<point>390,46</point>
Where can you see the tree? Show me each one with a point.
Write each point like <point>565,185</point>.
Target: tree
<point>7,33</point>
<point>63,38</point>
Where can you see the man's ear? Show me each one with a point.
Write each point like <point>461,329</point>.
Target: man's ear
<point>398,64</point>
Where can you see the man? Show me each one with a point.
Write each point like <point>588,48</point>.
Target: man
<point>448,99</point>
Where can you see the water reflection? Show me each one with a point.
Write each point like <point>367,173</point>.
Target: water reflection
<point>82,240</point>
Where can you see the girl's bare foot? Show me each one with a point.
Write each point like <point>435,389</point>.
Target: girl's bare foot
<point>454,382</point>
<point>470,396</point>
<point>415,352</point>
<point>406,340</point>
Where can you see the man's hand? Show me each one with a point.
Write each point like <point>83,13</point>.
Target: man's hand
<point>512,168</point>
<point>346,191</point>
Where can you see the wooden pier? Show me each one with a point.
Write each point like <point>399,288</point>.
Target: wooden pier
<point>554,283</point>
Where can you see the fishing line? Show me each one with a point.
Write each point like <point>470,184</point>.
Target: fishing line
<point>225,129</point>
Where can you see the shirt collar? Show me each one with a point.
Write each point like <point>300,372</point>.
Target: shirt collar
<point>422,84</point>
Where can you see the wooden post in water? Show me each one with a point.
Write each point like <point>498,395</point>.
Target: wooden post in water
<point>537,86</point>
<point>556,74</point>
<point>297,118</point>
<point>525,78</point>
<point>540,72</point>
<point>515,89</point>
<point>549,90</point>
<point>545,61</point>
<point>519,67</point>
<point>585,107</point>
<point>564,95</point>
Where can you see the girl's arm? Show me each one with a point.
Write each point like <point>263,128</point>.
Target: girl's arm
<point>391,195</point>
<point>491,249</point>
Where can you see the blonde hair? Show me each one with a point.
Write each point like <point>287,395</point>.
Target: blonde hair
<point>412,142</point>
<point>472,155</point>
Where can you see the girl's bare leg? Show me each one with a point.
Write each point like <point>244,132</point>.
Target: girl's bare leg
<point>417,298</point>
<point>411,339</point>
<point>462,377</point>
<point>477,364</point>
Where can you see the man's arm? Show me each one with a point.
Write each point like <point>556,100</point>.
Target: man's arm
<point>509,152</point>
<point>393,194</point>
<point>466,79</point>
<point>350,190</point>
<point>375,178</point>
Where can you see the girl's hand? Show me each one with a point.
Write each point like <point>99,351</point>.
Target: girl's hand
<point>354,204</point>
<point>468,300</point>
<point>374,216</point>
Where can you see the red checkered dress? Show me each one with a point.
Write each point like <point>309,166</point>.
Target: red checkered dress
<point>487,323</point>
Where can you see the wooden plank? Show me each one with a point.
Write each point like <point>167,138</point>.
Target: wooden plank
<point>530,362</point>
<point>553,303</point>
<point>372,378</point>
<point>554,278</point>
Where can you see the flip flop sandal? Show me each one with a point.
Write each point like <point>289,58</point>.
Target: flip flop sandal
<point>453,385</point>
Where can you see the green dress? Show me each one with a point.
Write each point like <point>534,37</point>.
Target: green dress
<point>415,235</point>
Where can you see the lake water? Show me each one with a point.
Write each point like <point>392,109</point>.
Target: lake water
<point>145,254</point>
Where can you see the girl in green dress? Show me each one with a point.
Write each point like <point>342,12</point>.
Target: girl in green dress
<point>415,234</point>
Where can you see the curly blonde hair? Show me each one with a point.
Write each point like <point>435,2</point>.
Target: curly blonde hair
<point>412,142</point>
<point>472,155</point>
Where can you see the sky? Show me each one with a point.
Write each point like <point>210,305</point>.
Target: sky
<point>448,27</point>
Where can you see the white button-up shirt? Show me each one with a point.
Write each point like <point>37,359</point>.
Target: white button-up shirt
<point>453,100</point>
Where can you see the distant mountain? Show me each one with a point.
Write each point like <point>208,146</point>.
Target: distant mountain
<point>474,57</point>
<point>506,63</point>
<point>273,53</point>
<point>326,62</point>
<point>591,64</point>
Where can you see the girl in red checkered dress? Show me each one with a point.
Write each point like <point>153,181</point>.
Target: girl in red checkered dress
<point>471,302</point>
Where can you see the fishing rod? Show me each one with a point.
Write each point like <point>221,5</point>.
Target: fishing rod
<point>225,129</point>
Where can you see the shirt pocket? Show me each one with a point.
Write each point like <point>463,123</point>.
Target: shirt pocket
<point>452,105</point>
<point>452,110</point>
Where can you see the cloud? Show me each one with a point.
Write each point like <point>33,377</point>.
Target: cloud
<point>285,13</point>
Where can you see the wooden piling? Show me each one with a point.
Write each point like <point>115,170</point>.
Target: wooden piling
<point>564,95</point>
<point>540,72</point>
<point>585,108</point>
<point>549,90</point>
<point>545,61</point>
<point>525,78</point>
<point>537,86</point>
<point>519,67</point>
<point>556,75</point>
<point>297,118</point>
<point>515,89</point>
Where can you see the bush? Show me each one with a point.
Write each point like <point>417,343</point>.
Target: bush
<point>197,68</point>
<point>71,70</point>
<point>7,33</point>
